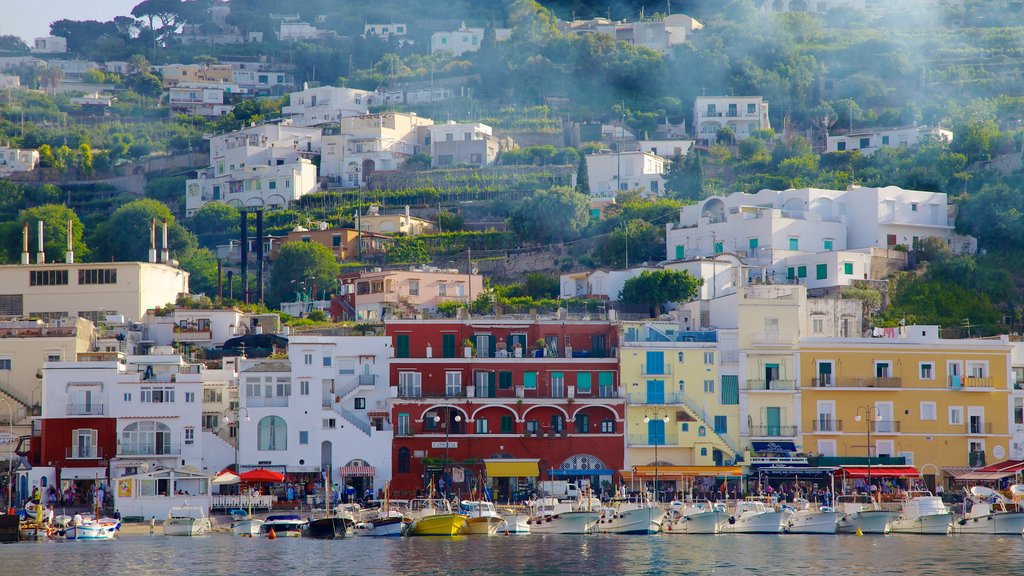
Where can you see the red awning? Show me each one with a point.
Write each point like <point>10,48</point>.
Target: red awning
<point>881,471</point>
<point>262,475</point>
<point>352,471</point>
<point>1008,467</point>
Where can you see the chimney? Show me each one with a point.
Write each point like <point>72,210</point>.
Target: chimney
<point>25,259</point>
<point>69,256</point>
<point>406,213</point>
<point>40,254</point>
<point>152,241</point>
<point>165,256</point>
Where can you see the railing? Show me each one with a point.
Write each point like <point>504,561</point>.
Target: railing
<point>648,440</point>
<point>957,382</point>
<point>819,425</point>
<point>410,391</point>
<point>979,427</point>
<point>405,430</point>
<point>149,450</point>
<point>261,402</point>
<point>857,382</point>
<point>665,370</point>
<point>885,426</point>
<point>194,335</point>
<point>243,502</point>
<point>770,431</point>
<point>770,385</point>
<point>87,453</point>
<point>730,357</point>
<point>666,398</point>
<point>607,392</point>
<point>367,379</point>
<point>85,410</point>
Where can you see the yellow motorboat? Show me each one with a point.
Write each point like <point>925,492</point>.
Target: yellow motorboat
<point>434,517</point>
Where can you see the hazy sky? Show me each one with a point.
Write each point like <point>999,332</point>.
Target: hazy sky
<point>31,18</point>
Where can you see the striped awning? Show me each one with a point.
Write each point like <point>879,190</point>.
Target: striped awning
<point>690,471</point>
<point>957,471</point>
<point>361,471</point>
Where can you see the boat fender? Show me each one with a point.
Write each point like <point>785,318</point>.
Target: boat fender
<point>732,519</point>
<point>669,527</point>
<point>963,521</point>
<point>272,534</point>
<point>549,519</point>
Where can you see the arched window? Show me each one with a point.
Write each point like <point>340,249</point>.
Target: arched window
<point>146,437</point>
<point>703,451</point>
<point>403,460</point>
<point>702,431</point>
<point>272,434</point>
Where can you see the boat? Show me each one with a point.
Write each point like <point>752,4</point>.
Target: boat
<point>923,513</point>
<point>637,515</point>
<point>700,517</point>
<point>861,512</point>
<point>283,525</point>
<point>516,518</point>
<point>988,512</point>
<point>754,516</point>
<point>803,518</point>
<point>332,524</point>
<point>385,518</point>
<point>553,518</point>
<point>187,521</point>
<point>243,523</point>
<point>434,517</point>
<point>89,529</point>
<point>481,517</point>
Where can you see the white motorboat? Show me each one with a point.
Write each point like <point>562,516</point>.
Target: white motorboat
<point>862,513</point>
<point>283,525</point>
<point>516,518</point>
<point>187,521</point>
<point>989,512</point>
<point>89,529</point>
<point>631,516</point>
<point>753,516</point>
<point>803,518</point>
<point>481,517</point>
<point>580,518</point>
<point>386,523</point>
<point>923,513</point>
<point>247,527</point>
<point>700,517</point>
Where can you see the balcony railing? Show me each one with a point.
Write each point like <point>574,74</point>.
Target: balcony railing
<point>772,431</point>
<point>885,426</point>
<point>410,390</point>
<point>968,382</point>
<point>664,370</point>
<point>367,379</point>
<point>666,398</point>
<point>648,440</point>
<point>820,425</point>
<point>149,450</point>
<point>979,427</point>
<point>770,385</point>
<point>272,402</point>
<point>85,409</point>
<point>404,431</point>
<point>826,381</point>
<point>83,453</point>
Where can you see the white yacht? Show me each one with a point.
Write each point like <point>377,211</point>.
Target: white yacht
<point>580,518</point>
<point>631,516</point>
<point>187,521</point>
<point>803,518</point>
<point>516,518</point>
<point>861,512</point>
<point>989,512</point>
<point>753,516</point>
<point>481,517</point>
<point>700,517</point>
<point>923,513</point>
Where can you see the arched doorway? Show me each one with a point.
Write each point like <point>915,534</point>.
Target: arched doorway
<point>587,470</point>
<point>368,167</point>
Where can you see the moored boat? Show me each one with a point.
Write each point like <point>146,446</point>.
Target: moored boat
<point>187,521</point>
<point>580,518</point>
<point>631,516</point>
<point>700,517</point>
<point>862,513</point>
<point>434,517</point>
<point>923,513</point>
<point>754,516</point>
<point>803,518</point>
<point>89,529</point>
<point>283,525</point>
<point>988,512</point>
<point>516,518</point>
<point>481,517</point>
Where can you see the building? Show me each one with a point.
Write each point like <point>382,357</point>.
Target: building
<point>938,404</point>
<point>369,143</point>
<point>261,79</point>
<point>455,144</point>
<point>870,141</point>
<point>202,99</point>
<point>388,294</point>
<point>202,328</point>
<point>291,31</point>
<point>174,74</point>
<point>325,105</point>
<point>266,165</point>
<point>9,81</point>
<point>741,114</point>
<point>17,160</point>
<point>543,395</point>
<point>464,39</point>
<point>667,149</point>
<point>346,244</point>
<point>659,35</point>
<point>397,223</point>
<point>682,413</point>
<point>613,172</point>
<point>50,45</point>
<point>385,31</point>
<point>870,7</point>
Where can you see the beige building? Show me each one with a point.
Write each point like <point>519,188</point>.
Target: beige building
<point>175,74</point>
<point>401,223</point>
<point>405,293</point>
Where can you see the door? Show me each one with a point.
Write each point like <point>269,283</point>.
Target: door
<point>773,421</point>
<point>327,393</point>
<point>655,391</point>
<point>771,374</point>
<point>824,374</point>
<point>883,413</point>
<point>955,375</point>
<point>656,432</point>
<point>484,346</point>
<point>655,362</point>
<point>826,416</point>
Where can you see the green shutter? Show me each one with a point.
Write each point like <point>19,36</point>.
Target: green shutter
<point>848,268</point>
<point>730,389</point>
<point>680,252</point>
<point>402,346</point>
<point>504,380</point>
<point>583,382</point>
<point>791,273</point>
<point>529,380</point>
<point>506,425</point>
<point>794,244</point>
<point>719,247</point>
<point>801,271</point>
<point>828,245</point>
<point>448,346</point>
<point>752,243</point>
<point>822,271</point>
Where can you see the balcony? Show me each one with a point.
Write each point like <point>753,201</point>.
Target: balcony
<point>83,453</point>
<point>410,390</point>
<point>85,410</point>
<point>648,440</point>
<point>367,379</point>
<point>770,385</point>
<point>971,383</point>
<point>647,399</point>
<point>272,402</point>
<point>979,427</point>
<point>773,431</point>
<point>404,430</point>
<point>828,425</point>
<point>885,426</point>
<point>192,334</point>
<point>149,449</point>
<point>663,370</point>
<point>828,381</point>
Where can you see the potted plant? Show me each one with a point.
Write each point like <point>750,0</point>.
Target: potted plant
<point>540,344</point>
<point>468,348</point>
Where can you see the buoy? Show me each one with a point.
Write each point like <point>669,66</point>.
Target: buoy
<point>859,532</point>
<point>250,535</point>
<point>272,534</point>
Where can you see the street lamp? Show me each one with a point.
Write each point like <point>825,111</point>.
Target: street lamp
<point>10,449</point>
<point>869,411</point>
<point>657,441</point>
<point>238,432</point>
<point>447,429</point>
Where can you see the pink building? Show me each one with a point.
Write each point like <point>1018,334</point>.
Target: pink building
<point>402,293</point>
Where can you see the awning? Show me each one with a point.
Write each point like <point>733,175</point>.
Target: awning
<point>791,471</point>
<point>778,447</point>
<point>502,468</point>
<point>1006,466</point>
<point>979,476</point>
<point>354,471</point>
<point>581,472</point>
<point>880,471</point>
<point>262,475</point>
<point>957,471</point>
<point>695,471</point>
<point>226,477</point>
<point>91,473</point>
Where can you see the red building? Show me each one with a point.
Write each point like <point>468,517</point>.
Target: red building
<point>543,396</point>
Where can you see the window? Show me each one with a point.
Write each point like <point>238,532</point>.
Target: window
<point>703,451</point>
<point>848,268</point>
<point>822,271</point>
<point>1018,410</point>
<point>817,324</point>
<point>583,383</point>
<point>885,142</point>
<point>709,358</point>
<point>330,423</point>
<point>5,363</point>
<point>557,385</point>
<point>529,380</point>
<point>190,397</point>
<point>865,142</point>
<point>409,384</point>
<point>608,426</point>
<point>927,370</point>
<point>303,437</point>
<point>719,247</point>
<point>927,410</point>
<point>827,244</point>
<point>360,403</point>
<point>151,395</point>
<point>401,346</point>
<point>213,395</point>
<point>83,443</point>
<point>146,437</point>
<point>840,146</point>
<point>558,423</point>
<point>582,424</point>
<point>273,185</point>
<point>327,360</point>
<point>680,252</point>
<point>684,427</point>
<point>127,396</point>
<point>752,243</point>
<point>452,384</point>
<point>403,460</point>
<point>308,359</point>
<point>790,273</point>
<point>794,243</point>
<point>801,271</point>
<point>504,380</point>
<point>702,431</point>
<point>414,287</point>
<point>721,424</point>
<point>404,424</point>
<point>481,426</point>
<point>304,387</point>
<point>190,435</point>
<point>956,415</point>
<point>101,276</point>
<point>272,434</point>
<point>506,424</point>
<point>709,386</point>
<point>751,108</point>
<point>48,277</point>
<point>532,426</point>
<point>211,421</point>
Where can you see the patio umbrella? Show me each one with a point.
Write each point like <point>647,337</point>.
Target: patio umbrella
<point>226,477</point>
<point>262,475</point>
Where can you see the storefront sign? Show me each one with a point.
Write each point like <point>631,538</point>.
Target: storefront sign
<point>444,444</point>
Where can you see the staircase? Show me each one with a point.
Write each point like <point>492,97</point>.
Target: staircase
<point>703,421</point>
<point>359,384</point>
<point>22,411</point>
<point>353,419</point>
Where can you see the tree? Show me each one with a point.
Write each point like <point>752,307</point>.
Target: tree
<point>639,239</point>
<point>675,176</point>
<point>213,224</point>
<point>9,43</point>
<point>298,266</point>
<point>583,177</point>
<point>556,215</point>
<point>407,250</point>
<point>201,265</point>
<point>85,159</point>
<point>692,177</point>
<point>653,288</point>
<point>538,285</point>
<point>55,232</point>
<point>124,237</point>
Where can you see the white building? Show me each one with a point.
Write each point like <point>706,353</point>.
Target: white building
<point>870,141</point>
<point>17,160</point>
<point>257,78</point>
<point>298,31</point>
<point>385,31</point>
<point>326,105</point>
<point>659,35</point>
<point>266,165</point>
<point>742,114</point>
<point>324,408</point>
<point>203,327</point>
<point>464,39</point>
<point>201,99</point>
<point>667,149</point>
<point>9,81</point>
<point>369,143</point>
<point>50,45</point>
<point>455,144</point>
<point>613,172</point>
<point>870,7</point>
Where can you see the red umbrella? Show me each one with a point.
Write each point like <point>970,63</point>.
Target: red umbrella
<point>262,475</point>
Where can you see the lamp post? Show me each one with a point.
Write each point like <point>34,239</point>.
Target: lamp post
<point>238,432</point>
<point>869,412</point>
<point>447,430</point>
<point>10,449</point>
<point>657,441</point>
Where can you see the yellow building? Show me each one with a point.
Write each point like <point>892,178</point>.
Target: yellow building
<point>935,402</point>
<point>681,411</point>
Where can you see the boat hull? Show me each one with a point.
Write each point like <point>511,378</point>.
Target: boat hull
<point>438,525</point>
<point>700,523</point>
<point>91,532</point>
<point>187,527</point>
<point>483,525</point>
<point>326,528</point>
<point>927,524</point>
<point>636,521</point>
<point>999,523</point>
<point>381,527</point>
<point>765,523</point>
<point>815,523</point>
<point>247,527</point>
<point>565,523</point>
<point>290,529</point>
<point>517,524</point>
<point>868,521</point>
